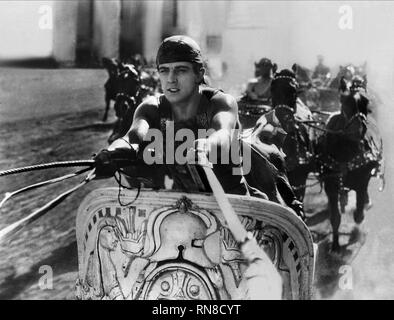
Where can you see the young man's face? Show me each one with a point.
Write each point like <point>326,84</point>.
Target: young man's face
<point>179,81</point>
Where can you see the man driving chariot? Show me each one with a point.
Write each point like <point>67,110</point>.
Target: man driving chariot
<point>259,88</point>
<point>186,104</point>
<point>321,75</point>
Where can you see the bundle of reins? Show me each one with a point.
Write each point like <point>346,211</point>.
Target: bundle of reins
<point>10,230</point>
<point>239,232</point>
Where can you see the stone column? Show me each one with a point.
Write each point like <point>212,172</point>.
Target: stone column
<point>152,28</point>
<point>65,31</point>
<point>106,28</point>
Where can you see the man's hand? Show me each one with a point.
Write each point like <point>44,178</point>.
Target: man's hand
<point>202,145</point>
<point>199,153</point>
<point>108,162</point>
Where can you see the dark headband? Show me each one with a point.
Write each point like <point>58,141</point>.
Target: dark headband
<point>179,48</point>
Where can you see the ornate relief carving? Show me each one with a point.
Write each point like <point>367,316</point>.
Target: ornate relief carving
<point>173,252</point>
<point>178,281</point>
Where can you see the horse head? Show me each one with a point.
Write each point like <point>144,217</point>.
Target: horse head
<point>284,88</point>
<point>354,108</point>
<point>138,60</point>
<point>129,81</point>
<point>112,66</point>
<point>303,75</point>
<point>347,129</point>
<point>127,98</point>
<point>344,75</point>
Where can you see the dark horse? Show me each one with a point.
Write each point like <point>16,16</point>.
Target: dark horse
<point>129,95</point>
<point>113,67</point>
<point>348,154</point>
<point>298,143</point>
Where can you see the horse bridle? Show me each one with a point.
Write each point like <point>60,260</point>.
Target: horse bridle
<point>359,115</point>
<point>284,106</point>
<point>127,97</point>
<point>297,134</point>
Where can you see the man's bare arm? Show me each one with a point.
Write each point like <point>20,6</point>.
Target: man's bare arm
<point>144,117</point>
<point>223,121</point>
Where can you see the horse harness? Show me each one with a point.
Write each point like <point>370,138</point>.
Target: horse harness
<point>303,145</point>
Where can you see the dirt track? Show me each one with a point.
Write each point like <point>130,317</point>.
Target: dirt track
<point>71,130</point>
<point>52,115</point>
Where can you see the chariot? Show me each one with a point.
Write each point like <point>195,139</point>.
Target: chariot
<point>175,245</point>
<point>172,245</point>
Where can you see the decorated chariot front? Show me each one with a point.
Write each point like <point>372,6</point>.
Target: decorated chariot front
<point>177,246</point>
<point>150,244</point>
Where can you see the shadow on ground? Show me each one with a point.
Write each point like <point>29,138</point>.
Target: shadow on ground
<point>62,260</point>
<point>331,266</point>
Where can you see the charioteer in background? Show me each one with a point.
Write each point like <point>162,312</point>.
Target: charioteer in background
<point>322,74</point>
<point>256,99</point>
<point>259,88</point>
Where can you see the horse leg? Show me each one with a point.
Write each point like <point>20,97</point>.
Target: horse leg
<point>288,195</point>
<point>297,179</point>
<point>331,188</point>
<point>368,202</point>
<point>362,198</point>
<point>359,180</point>
<point>107,103</point>
<point>358,214</point>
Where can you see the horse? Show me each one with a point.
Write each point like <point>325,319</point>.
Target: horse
<point>113,67</point>
<point>309,90</point>
<point>314,92</point>
<point>150,81</point>
<point>347,72</point>
<point>129,96</point>
<point>303,76</point>
<point>348,154</point>
<point>256,99</point>
<point>298,144</point>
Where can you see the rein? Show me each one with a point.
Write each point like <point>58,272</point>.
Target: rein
<point>10,230</point>
<point>342,131</point>
<point>9,195</point>
<point>74,163</point>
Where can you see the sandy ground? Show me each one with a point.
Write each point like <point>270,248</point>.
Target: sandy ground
<point>46,115</point>
<point>53,115</point>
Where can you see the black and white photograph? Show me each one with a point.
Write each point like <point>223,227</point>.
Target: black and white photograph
<point>196,150</point>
